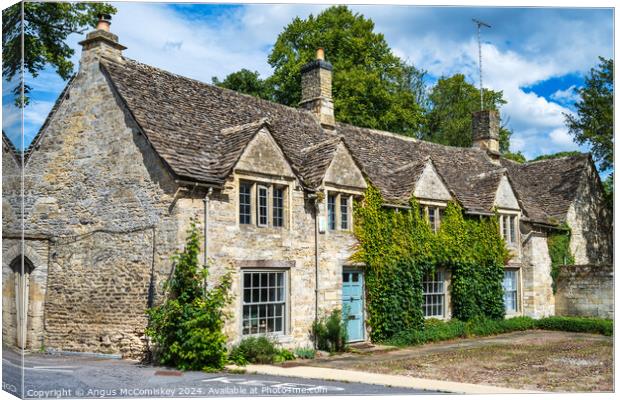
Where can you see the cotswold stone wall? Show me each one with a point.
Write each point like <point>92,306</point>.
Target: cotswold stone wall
<point>538,300</point>
<point>290,248</point>
<point>104,204</point>
<point>585,290</point>
<point>591,223</point>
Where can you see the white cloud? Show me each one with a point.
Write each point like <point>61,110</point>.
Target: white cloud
<point>567,96</point>
<point>524,47</point>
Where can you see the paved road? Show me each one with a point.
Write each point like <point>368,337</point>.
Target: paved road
<point>56,376</point>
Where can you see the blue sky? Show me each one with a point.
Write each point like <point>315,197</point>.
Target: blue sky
<point>536,56</point>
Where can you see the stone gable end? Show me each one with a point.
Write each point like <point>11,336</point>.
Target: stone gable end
<point>505,197</point>
<point>263,156</point>
<point>430,185</point>
<point>343,171</point>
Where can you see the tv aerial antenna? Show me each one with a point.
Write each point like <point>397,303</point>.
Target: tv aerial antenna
<point>480,24</point>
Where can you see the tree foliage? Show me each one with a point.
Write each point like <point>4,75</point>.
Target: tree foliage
<point>452,102</point>
<point>593,123</point>
<point>187,328</point>
<point>398,248</point>
<point>46,27</point>
<point>246,81</point>
<point>518,156</point>
<point>371,86</point>
<point>559,154</point>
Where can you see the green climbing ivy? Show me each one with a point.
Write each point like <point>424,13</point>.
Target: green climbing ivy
<point>558,243</point>
<point>398,247</point>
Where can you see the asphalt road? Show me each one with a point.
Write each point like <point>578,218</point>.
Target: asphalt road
<point>69,376</point>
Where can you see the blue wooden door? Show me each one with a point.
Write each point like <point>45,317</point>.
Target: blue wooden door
<point>353,304</point>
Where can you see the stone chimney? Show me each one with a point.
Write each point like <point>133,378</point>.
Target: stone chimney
<point>316,89</point>
<point>485,131</point>
<point>101,42</point>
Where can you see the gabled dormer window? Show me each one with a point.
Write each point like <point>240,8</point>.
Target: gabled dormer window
<point>432,214</point>
<point>262,204</point>
<point>508,228</point>
<point>339,211</point>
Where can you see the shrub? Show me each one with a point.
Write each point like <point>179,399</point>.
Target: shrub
<point>577,324</point>
<point>284,355</point>
<point>187,329</point>
<point>330,333</point>
<point>305,352</point>
<point>436,330</point>
<point>254,349</point>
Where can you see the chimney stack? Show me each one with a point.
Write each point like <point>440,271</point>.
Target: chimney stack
<point>485,131</point>
<point>101,42</point>
<point>316,89</point>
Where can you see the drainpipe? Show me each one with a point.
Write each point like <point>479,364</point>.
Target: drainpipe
<point>205,229</point>
<point>314,198</point>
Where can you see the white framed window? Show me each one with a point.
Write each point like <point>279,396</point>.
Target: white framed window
<point>264,302</point>
<point>245,203</point>
<point>278,206</point>
<point>262,193</point>
<point>344,212</point>
<point>339,211</point>
<point>508,228</point>
<point>331,212</point>
<point>510,285</point>
<point>432,214</point>
<point>262,204</point>
<point>433,285</point>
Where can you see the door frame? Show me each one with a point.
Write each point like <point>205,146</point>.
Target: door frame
<point>349,269</point>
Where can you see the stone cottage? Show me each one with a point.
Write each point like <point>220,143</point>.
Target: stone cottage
<point>130,153</point>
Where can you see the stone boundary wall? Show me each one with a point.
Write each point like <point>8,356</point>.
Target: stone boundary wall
<point>585,290</point>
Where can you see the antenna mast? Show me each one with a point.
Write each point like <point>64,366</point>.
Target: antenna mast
<point>479,24</point>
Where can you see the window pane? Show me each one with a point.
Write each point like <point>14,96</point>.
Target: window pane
<point>245,213</point>
<point>513,233</point>
<point>510,290</point>
<point>278,206</point>
<point>431,217</point>
<point>262,206</point>
<point>344,212</point>
<point>434,297</point>
<point>331,211</point>
<point>263,302</point>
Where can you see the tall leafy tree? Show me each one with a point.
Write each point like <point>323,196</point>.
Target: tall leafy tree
<point>46,26</point>
<point>452,102</point>
<point>593,123</point>
<point>371,86</point>
<point>246,81</point>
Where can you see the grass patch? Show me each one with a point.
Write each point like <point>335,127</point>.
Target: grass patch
<point>437,330</point>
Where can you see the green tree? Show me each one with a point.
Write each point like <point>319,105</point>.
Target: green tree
<point>371,86</point>
<point>518,156</point>
<point>245,81</point>
<point>593,124</point>
<point>452,102</point>
<point>187,328</point>
<point>557,155</point>
<point>46,27</point>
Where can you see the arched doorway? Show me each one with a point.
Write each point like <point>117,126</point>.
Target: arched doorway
<point>22,267</point>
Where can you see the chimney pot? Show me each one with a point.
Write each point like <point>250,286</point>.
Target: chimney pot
<point>104,22</point>
<point>316,89</point>
<point>320,54</point>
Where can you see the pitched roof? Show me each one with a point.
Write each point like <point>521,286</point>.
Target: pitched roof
<point>184,119</point>
<point>548,187</point>
<point>200,131</point>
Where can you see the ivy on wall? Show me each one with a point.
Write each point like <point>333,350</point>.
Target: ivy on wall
<point>558,243</point>
<point>398,247</point>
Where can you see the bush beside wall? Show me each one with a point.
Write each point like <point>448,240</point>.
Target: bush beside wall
<point>436,330</point>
